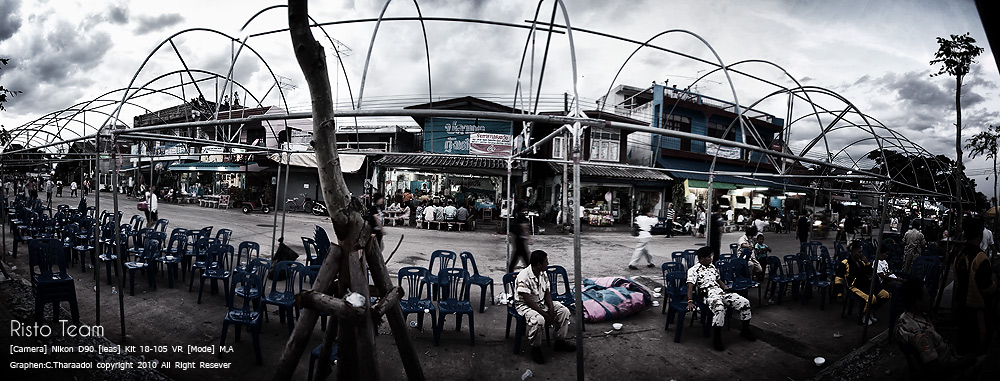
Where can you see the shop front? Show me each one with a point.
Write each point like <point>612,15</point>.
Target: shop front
<point>477,182</point>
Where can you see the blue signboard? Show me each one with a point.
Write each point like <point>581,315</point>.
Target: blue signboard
<point>448,135</point>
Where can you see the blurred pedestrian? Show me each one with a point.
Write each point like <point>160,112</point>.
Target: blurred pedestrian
<point>644,223</point>
<point>973,293</point>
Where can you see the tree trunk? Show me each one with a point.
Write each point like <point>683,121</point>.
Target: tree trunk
<point>959,167</point>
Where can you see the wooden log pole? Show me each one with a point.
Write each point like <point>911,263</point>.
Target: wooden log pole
<point>296,343</point>
<point>332,306</point>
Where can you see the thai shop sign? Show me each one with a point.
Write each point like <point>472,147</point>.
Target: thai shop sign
<point>484,143</point>
<point>454,136</point>
<point>725,152</point>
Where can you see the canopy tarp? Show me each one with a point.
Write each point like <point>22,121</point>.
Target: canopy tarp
<point>349,163</point>
<point>715,185</point>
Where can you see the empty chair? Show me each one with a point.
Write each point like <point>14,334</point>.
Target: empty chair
<point>223,236</point>
<point>666,268</point>
<point>690,257</point>
<point>144,262</point>
<point>51,283</point>
<point>161,225</point>
<point>258,267</point>
<point>454,286</point>
<point>678,257</point>
<point>107,255</point>
<point>443,259</point>
<point>285,283</point>
<point>792,272</point>
<point>414,300</point>
<point>813,279</point>
<point>172,255</point>
<point>777,280</point>
<point>311,252</point>
<point>469,264</point>
<point>243,311</point>
<point>220,258</point>
<point>741,279</point>
<point>202,261</point>
<point>555,273</point>
<point>247,251</point>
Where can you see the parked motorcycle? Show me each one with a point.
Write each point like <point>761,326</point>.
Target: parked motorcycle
<point>319,208</point>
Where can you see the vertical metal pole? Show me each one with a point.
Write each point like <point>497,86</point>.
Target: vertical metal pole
<point>117,249</point>
<point>95,229</point>
<point>871,289</point>
<point>510,210</point>
<point>577,266</point>
<point>288,170</point>
<point>274,226</point>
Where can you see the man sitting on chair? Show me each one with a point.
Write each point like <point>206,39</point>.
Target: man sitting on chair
<point>917,334</point>
<point>534,301</point>
<point>704,277</point>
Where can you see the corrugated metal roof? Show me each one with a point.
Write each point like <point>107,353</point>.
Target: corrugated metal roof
<point>443,161</point>
<point>617,172</point>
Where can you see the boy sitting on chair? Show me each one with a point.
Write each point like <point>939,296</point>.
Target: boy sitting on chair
<point>534,301</point>
<point>705,277</point>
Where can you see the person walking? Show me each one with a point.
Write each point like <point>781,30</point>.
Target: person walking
<point>802,229</point>
<point>151,210</point>
<point>72,189</point>
<point>671,214</point>
<point>48,191</point>
<point>520,240</point>
<point>913,245</point>
<point>644,223</point>
<point>32,188</point>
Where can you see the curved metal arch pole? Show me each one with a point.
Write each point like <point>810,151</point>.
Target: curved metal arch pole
<point>808,99</point>
<point>371,46</point>
<point>577,255</point>
<point>545,57</point>
<point>524,54</point>
<point>125,96</point>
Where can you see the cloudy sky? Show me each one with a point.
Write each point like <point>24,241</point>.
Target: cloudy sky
<point>873,53</point>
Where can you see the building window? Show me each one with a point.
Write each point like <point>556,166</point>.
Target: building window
<point>558,148</point>
<point>604,143</point>
<point>717,130</point>
<point>677,123</point>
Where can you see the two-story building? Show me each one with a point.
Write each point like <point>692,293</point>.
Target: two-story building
<point>747,178</point>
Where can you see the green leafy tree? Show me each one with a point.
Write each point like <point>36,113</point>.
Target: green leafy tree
<point>4,92</point>
<point>985,143</point>
<point>955,56</point>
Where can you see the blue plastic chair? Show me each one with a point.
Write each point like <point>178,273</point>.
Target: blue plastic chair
<point>521,325</point>
<point>176,248</point>
<point>161,225</point>
<point>310,246</point>
<point>283,291</point>
<point>678,257</point>
<point>220,259</point>
<point>777,280</point>
<point>813,279</point>
<point>734,248</point>
<point>666,268</point>
<point>676,289</point>
<point>247,251</point>
<point>444,259</point>
<point>927,268</point>
<point>454,284</point>
<point>202,261</point>
<point>792,266</point>
<point>555,273</point>
<point>690,258</point>
<point>223,236</point>
<point>145,263</point>
<point>243,313</point>
<point>258,267</point>
<point>414,301</point>
<point>49,279</point>
<point>742,281</point>
<point>469,264</point>
<point>314,356</point>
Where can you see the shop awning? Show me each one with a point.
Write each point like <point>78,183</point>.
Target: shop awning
<point>214,167</point>
<point>463,164</point>
<point>349,163</point>
<point>715,185</point>
<point>617,172</point>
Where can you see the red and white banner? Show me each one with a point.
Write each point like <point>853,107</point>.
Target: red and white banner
<point>488,144</point>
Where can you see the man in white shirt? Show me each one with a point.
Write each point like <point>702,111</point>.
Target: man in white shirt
<point>644,222</point>
<point>534,301</point>
<point>429,214</point>
<point>987,244</point>
<point>760,224</point>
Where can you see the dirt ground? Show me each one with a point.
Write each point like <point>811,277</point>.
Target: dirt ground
<point>790,335</point>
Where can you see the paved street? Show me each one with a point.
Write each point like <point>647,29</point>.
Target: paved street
<point>790,334</point>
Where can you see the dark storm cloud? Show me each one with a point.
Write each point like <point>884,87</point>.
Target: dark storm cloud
<point>148,24</point>
<point>917,89</point>
<point>48,66</point>
<point>10,20</point>
<point>118,15</point>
